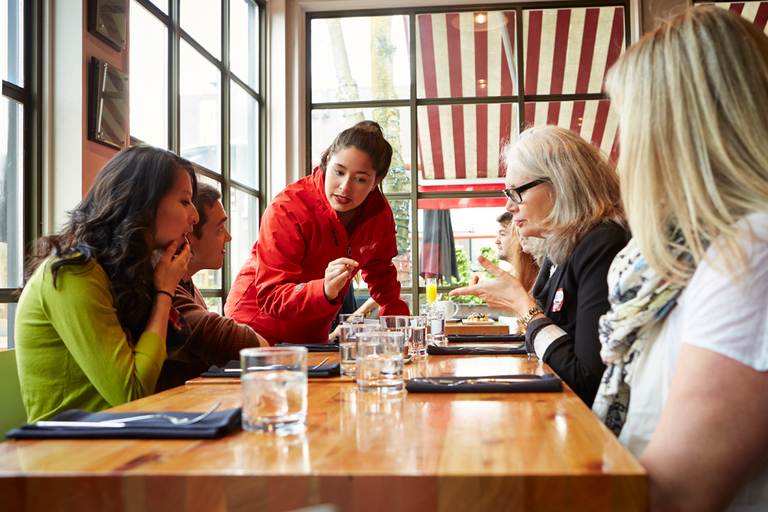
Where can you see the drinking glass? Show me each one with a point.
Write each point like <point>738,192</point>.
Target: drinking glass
<point>435,324</point>
<point>416,336</point>
<point>349,326</point>
<point>274,387</point>
<point>431,290</point>
<point>392,323</point>
<point>380,362</point>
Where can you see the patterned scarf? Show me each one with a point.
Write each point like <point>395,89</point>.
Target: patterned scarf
<point>639,300</point>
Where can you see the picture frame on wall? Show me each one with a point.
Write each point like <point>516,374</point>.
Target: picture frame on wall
<point>107,104</point>
<point>107,19</point>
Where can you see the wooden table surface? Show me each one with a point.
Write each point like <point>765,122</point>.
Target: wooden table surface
<point>361,451</point>
<point>458,327</point>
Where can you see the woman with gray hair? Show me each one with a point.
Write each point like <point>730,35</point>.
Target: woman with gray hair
<point>686,340</point>
<point>562,189</point>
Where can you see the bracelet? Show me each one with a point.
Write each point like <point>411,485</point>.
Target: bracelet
<point>164,293</point>
<point>522,322</point>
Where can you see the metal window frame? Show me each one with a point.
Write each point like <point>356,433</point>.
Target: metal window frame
<point>413,102</point>
<point>176,34</point>
<point>32,132</point>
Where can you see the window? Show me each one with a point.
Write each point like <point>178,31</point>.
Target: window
<point>20,135</point>
<point>756,12</point>
<point>479,77</point>
<point>197,87</point>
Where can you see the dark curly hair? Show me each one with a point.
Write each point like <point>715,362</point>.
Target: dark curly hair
<point>368,138</point>
<point>111,225</point>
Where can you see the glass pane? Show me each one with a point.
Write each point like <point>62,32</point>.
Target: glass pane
<point>244,228</point>
<point>200,85</point>
<point>466,54</point>
<point>244,142</point>
<point>244,41</point>
<point>11,23</point>
<point>568,51</point>
<point>394,121</point>
<point>756,12</point>
<point>201,19</point>
<point>161,4</point>
<point>464,142</point>
<point>452,234</point>
<point>594,120</point>
<point>149,77</point>
<point>11,194</point>
<point>7,319</point>
<point>208,278</point>
<point>360,59</point>
<point>215,304</point>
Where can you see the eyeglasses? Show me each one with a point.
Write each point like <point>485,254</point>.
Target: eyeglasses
<point>514,194</point>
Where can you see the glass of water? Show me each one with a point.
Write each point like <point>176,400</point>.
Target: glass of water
<point>274,387</point>
<point>380,362</point>
<point>349,326</point>
<point>435,324</point>
<point>416,335</point>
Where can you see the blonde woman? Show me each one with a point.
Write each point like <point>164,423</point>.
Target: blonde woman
<point>686,339</point>
<point>562,189</point>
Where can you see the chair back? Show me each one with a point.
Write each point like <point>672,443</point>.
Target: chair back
<point>12,412</point>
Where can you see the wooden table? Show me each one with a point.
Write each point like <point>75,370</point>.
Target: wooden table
<point>452,327</point>
<point>410,452</point>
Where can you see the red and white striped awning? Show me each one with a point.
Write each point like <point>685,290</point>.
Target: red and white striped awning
<point>756,12</point>
<point>461,55</point>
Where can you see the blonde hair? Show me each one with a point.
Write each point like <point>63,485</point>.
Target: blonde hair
<point>586,186</point>
<point>693,113</point>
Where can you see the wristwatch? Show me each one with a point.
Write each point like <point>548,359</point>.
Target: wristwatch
<point>522,322</point>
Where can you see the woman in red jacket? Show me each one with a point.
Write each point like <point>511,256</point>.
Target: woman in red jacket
<point>315,235</point>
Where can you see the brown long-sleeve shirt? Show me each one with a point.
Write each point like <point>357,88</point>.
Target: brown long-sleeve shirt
<point>215,339</point>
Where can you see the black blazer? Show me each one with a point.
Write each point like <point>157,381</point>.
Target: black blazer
<point>575,356</point>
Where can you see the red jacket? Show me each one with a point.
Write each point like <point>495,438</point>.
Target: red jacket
<point>279,291</point>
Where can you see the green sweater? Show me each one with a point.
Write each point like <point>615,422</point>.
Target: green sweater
<point>71,350</point>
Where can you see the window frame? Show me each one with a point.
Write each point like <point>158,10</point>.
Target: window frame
<point>413,102</point>
<point>29,96</point>
<point>224,179</point>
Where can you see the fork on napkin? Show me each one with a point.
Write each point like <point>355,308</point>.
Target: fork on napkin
<point>215,425</point>
<point>547,383</point>
<point>313,347</point>
<point>232,369</point>
<point>487,351</point>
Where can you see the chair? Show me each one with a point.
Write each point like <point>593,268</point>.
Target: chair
<point>12,412</point>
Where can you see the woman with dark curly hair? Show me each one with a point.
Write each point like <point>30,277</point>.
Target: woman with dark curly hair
<point>93,317</point>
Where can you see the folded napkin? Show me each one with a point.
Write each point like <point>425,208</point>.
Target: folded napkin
<point>313,347</point>
<point>546,383</point>
<point>218,424</point>
<point>485,337</point>
<point>478,351</point>
<point>322,371</point>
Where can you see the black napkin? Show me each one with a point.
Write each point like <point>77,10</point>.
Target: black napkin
<point>485,337</point>
<point>313,347</point>
<point>546,383</point>
<point>322,371</point>
<point>216,425</point>
<point>476,351</point>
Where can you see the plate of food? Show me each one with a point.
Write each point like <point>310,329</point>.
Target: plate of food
<point>478,319</point>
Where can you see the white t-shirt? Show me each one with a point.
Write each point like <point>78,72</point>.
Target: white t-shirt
<point>715,314</point>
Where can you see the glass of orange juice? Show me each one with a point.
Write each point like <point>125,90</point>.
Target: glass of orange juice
<point>431,290</point>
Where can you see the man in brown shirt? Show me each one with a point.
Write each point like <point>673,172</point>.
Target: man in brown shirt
<point>215,339</point>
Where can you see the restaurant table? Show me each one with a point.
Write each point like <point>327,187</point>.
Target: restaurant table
<point>458,327</point>
<point>361,451</point>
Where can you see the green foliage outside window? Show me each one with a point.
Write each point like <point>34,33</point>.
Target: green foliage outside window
<point>465,273</point>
